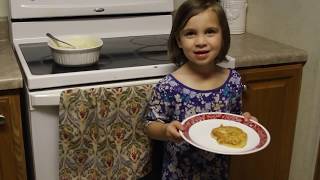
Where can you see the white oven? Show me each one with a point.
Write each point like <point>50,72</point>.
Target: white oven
<point>43,114</point>
<point>134,33</point>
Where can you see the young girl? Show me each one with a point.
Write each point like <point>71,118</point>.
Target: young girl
<point>199,39</point>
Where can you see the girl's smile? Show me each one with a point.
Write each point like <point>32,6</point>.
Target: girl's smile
<point>201,54</point>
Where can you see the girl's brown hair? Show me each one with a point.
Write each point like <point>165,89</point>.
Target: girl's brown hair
<point>187,10</point>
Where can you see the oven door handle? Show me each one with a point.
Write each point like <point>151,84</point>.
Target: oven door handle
<point>52,97</point>
<point>45,99</point>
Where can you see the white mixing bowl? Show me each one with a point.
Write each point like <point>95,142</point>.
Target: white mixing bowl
<point>87,50</point>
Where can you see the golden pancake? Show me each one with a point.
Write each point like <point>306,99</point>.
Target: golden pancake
<point>230,136</point>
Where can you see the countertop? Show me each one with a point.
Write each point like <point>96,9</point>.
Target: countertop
<point>10,74</point>
<point>251,50</point>
<point>248,49</point>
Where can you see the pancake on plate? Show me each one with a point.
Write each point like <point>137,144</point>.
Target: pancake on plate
<point>230,136</point>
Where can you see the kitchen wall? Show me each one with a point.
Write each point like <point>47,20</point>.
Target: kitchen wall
<point>178,2</point>
<point>4,8</point>
<point>296,23</point>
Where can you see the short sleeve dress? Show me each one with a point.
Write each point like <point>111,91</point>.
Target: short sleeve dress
<point>173,100</point>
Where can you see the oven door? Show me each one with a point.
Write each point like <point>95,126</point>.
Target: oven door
<point>21,9</point>
<point>43,111</point>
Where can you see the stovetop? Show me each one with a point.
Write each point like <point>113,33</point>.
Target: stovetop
<point>119,52</point>
<point>125,58</point>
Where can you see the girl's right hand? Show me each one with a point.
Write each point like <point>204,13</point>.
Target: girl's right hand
<point>172,131</point>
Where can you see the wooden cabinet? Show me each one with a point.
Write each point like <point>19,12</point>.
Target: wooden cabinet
<point>271,95</point>
<point>12,159</point>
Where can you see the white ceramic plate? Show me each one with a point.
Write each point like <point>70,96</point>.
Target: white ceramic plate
<point>198,133</point>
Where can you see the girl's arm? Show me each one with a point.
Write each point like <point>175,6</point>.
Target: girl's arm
<point>164,131</point>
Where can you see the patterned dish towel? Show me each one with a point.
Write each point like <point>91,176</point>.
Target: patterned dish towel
<point>101,134</point>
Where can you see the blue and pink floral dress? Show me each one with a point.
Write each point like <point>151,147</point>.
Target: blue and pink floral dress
<point>173,100</point>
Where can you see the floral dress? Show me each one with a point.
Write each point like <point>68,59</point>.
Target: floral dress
<point>173,100</point>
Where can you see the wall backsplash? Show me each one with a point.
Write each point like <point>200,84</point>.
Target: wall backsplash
<point>177,3</point>
<point>4,8</point>
<point>3,29</point>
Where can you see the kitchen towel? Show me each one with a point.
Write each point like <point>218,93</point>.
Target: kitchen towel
<point>101,133</point>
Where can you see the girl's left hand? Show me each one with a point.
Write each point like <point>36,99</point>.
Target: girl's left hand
<point>248,116</point>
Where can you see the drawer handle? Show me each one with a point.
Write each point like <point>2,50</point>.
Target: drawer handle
<point>245,88</point>
<point>2,119</point>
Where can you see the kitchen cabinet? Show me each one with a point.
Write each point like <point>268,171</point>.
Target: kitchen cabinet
<point>272,95</point>
<point>12,159</point>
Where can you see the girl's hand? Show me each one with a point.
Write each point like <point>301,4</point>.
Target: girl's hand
<point>248,116</point>
<point>172,131</point>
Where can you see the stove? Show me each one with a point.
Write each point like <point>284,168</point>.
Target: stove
<point>117,55</point>
<point>134,52</point>
<point>119,52</point>
<point>131,50</point>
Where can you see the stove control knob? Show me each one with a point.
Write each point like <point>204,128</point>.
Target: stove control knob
<point>2,119</point>
<point>99,9</point>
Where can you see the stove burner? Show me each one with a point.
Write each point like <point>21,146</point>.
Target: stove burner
<point>56,68</point>
<point>41,66</point>
<point>149,41</point>
<point>153,53</point>
<point>46,60</point>
<point>105,60</point>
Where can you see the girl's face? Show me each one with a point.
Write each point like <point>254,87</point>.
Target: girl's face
<point>201,38</point>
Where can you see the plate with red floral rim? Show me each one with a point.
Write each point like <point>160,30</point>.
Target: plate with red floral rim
<point>197,132</point>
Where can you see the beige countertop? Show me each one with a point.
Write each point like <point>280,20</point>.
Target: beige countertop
<point>251,50</point>
<point>248,49</point>
<point>10,75</point>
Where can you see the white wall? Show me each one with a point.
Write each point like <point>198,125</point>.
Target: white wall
<point>3,8</point>
<point>296,22</point>
<point>177,3</point>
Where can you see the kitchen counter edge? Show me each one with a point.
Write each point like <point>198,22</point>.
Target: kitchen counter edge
<point>251,50</point>
<point>10,74</point>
